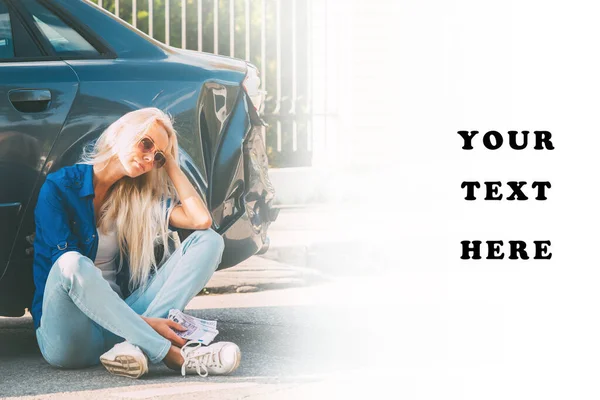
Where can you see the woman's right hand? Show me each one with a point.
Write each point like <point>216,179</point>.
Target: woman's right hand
<point>164,327</point>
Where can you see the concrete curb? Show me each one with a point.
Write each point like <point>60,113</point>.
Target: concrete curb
<point>258,273</point>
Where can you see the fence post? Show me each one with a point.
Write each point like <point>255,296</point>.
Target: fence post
<point>231,28</point>
<point>183,25</point>
<point>167,22</point>
<point>200,25</point>
<point>216,27</point>
<point>247,30</point>
<point>151,18</point>
<point>134,13</point>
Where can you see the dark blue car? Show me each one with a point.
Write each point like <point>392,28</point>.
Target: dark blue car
<point>68,69</point>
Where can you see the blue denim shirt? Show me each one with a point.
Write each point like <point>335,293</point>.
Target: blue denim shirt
<point>64,221</point>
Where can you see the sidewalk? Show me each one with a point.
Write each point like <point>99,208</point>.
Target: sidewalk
<point>283,265</point>
<point>337,240</point>
<point>259,273</point>
<point>308,245</point>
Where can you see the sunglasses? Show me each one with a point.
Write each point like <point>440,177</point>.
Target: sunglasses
<point>146,145</point>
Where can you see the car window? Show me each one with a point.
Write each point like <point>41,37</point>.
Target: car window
<point>7,49</point>
<point>64,39</point>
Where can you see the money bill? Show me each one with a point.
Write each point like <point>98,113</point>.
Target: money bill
<point>198,329</point>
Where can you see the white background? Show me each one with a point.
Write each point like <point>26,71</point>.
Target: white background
<point>413,73</point>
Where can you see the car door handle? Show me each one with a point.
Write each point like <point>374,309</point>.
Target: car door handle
<point>30,100</point>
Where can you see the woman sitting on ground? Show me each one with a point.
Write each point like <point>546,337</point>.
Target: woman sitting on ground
<point>100,294</point>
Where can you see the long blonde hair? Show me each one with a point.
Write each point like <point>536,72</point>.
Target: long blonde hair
<point>136,207</point>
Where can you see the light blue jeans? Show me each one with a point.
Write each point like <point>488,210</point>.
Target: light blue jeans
<point>82,317</point>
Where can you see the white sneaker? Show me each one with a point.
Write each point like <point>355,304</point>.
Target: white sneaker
<point>125,359</point>
<point>217,359</point>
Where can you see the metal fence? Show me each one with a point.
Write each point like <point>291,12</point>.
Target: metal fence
<point>278,36</point>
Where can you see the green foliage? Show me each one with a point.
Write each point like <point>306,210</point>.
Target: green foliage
<point>286,157</point>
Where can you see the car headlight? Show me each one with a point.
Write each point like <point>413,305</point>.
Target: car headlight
<point>252,86</point>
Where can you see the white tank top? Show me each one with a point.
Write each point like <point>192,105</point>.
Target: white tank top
<point>108,249</point>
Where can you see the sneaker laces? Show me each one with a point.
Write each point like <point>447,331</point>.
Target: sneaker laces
<point>194,358</point>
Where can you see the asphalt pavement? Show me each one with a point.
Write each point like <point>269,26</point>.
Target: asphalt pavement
<point>291,320</point>
<point>270,327</point>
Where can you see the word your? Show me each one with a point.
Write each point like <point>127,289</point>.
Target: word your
<point>493,140</point>
<point>491,190</point>
<point>517,250</point>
